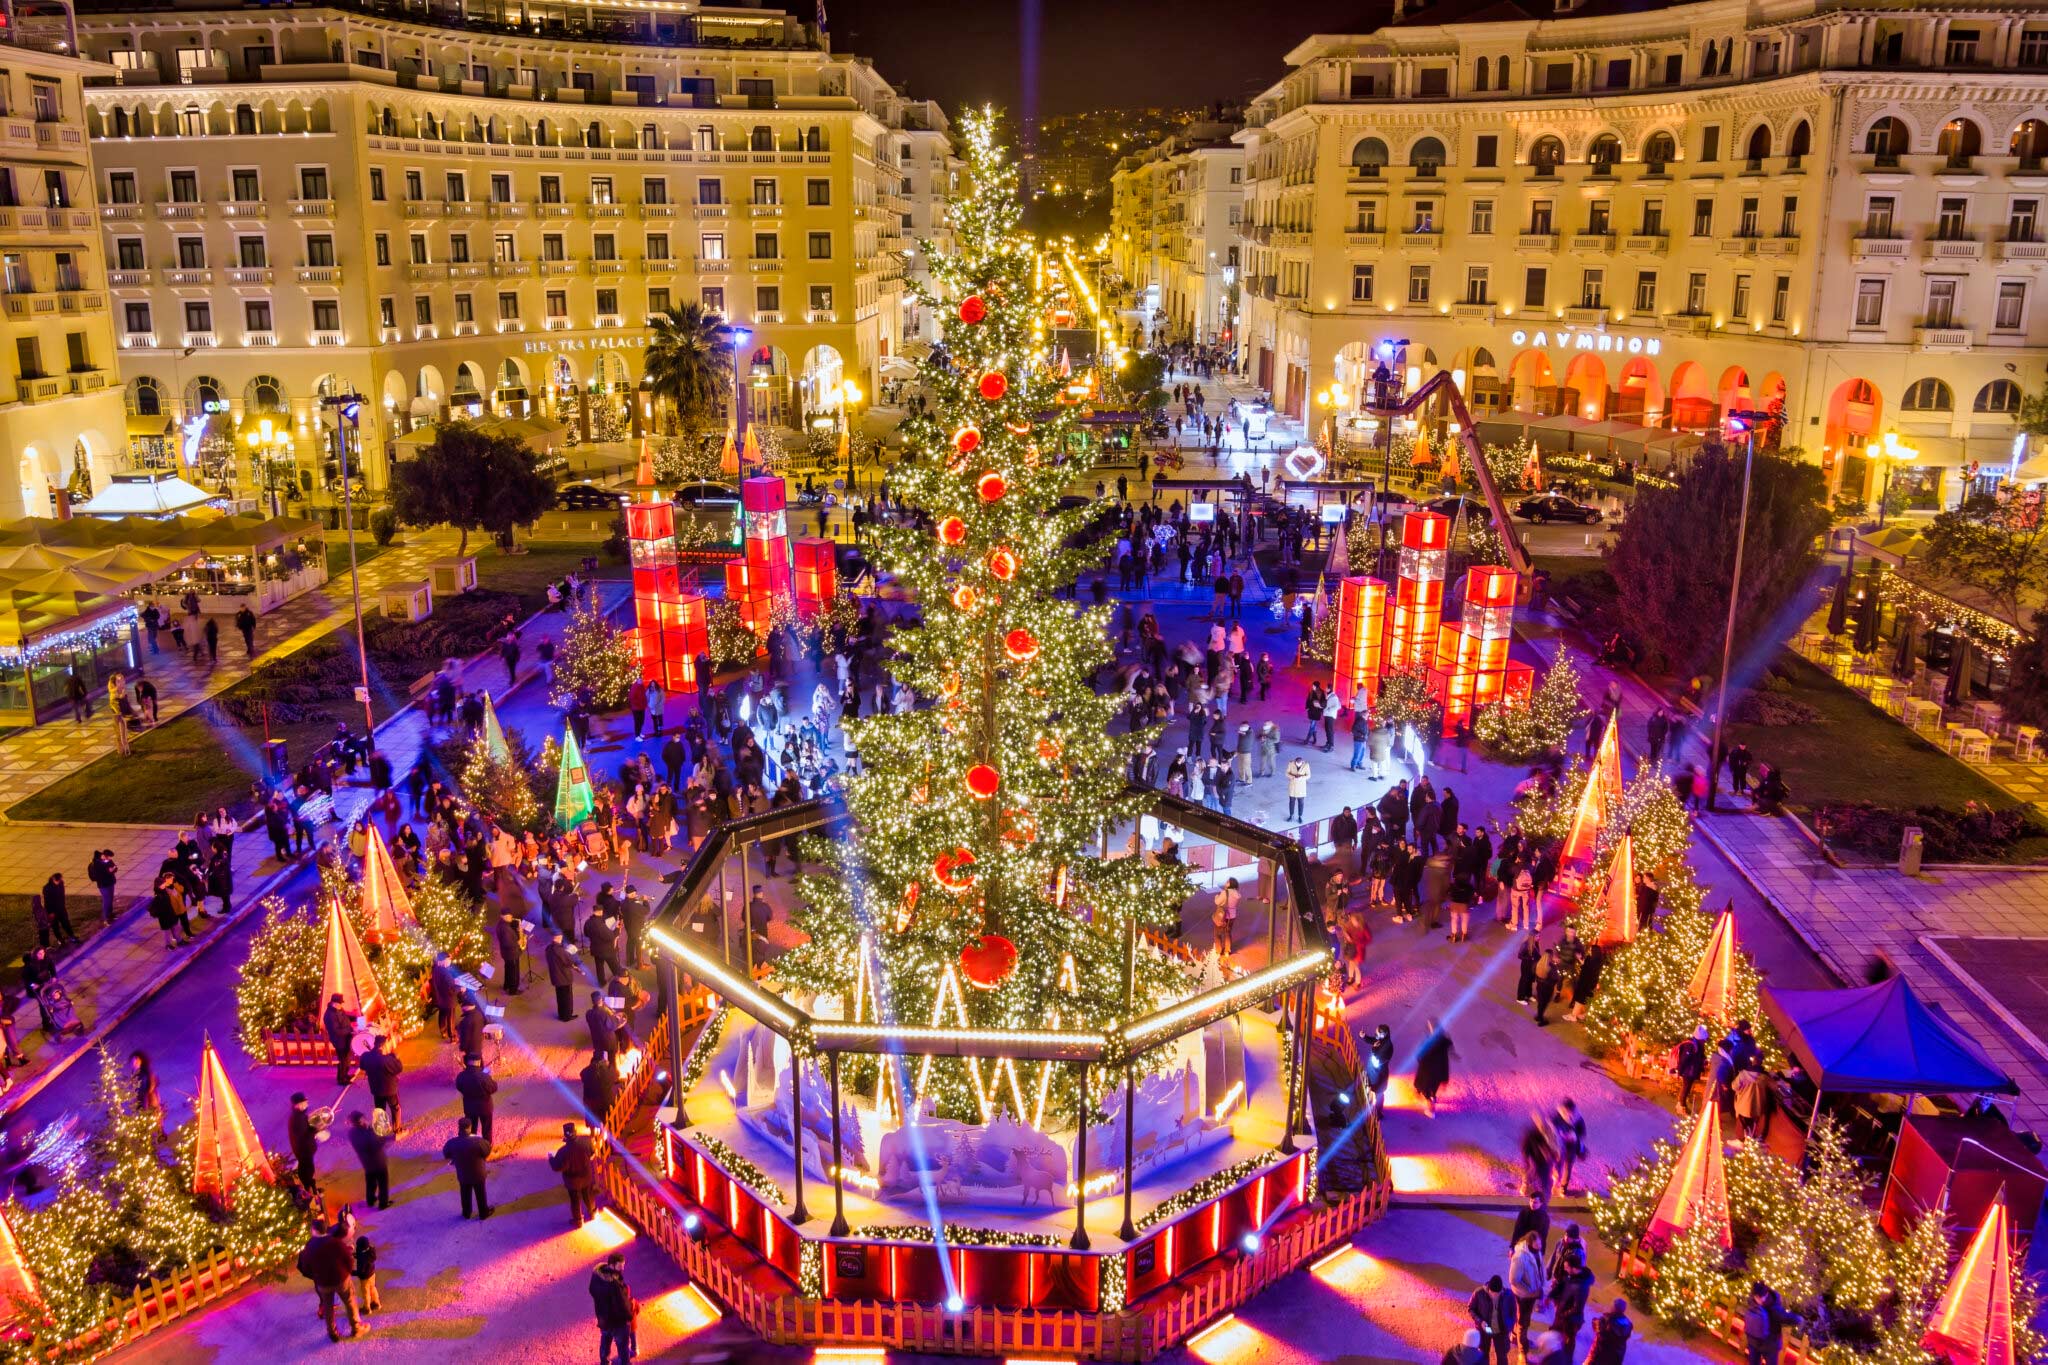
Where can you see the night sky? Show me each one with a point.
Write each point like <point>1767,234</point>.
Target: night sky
<point>1090,54</point>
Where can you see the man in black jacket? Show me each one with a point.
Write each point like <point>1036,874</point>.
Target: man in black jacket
<point>381,1068</point>
<point>299,1135</point>
<point>326,1260</point>
<point>469,1029</point>
<point>370,1145</point>
<point>510,949</point>
<point>615,1308</point>
<point>600,1088</point>
<point>447,995</point>
<point>468,1154</point>
<point>604,1027</point>
<point>562,976</point>
<point>576,1162</point>
<point>1493,1313</point>
<point>1536,1219</point>
<point>60,914</point>
<point>476,1085</point>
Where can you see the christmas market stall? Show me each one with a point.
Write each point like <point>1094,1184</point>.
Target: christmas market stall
<point>48,637</point>
<point>260,562</point>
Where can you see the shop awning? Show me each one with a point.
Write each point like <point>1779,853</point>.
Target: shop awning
<point>1881,1039</point>
<point>159,425</point>
<point>146,495</point>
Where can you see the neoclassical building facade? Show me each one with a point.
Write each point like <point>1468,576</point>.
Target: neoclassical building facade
<point>1664,216</point>
<point>479,216</point>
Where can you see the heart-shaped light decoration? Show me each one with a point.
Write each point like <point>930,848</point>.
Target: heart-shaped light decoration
<point>1305,462</point>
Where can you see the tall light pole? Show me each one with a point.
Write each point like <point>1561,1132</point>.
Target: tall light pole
<point>348,409</point>
<point>1748,422</point>
<point>740,336</point>
<point>1892,452</point>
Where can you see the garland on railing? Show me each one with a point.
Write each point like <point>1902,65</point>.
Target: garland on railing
<point>810,1269</point>
<point>954,1234</point>
<point>740,1169</point>
<point>1115,1289</point>
<point>700,1051</point>
<point>1902,593</point>
<point>1202,1191</point>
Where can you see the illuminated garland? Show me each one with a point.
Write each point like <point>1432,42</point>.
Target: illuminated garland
<point>955,1234</point>
<point>701,1050</point>
<point>1116,1288</point>
<point>740,1170</point>
<point>1211,1187</point>
<point>810,1269</point>
<point>1941,611</point>
<point>90,638</point>
<point>1519,732</point>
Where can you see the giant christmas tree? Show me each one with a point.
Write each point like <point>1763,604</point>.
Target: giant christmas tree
<point>980,812</point>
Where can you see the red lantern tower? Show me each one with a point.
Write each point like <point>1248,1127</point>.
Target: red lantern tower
<point>765,500</point>
<point>1361,637</point>
<point>1418,589</point>
<point>816,575</point>
<point>1472,668</point>
<point>672,628</point>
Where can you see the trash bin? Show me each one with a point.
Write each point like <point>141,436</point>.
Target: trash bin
<point>275,760</point>
<point>1912,843</point>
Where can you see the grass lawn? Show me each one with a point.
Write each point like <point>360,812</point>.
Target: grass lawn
<point>18,931</point>
<point>199,762</point>
<point>1858,753</point>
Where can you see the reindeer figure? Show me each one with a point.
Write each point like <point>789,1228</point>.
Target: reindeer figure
<point>1035,1175</point>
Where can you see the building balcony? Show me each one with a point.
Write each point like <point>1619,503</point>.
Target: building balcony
<point>1361,238</point>
<point>768,210</point>
<point>389,335</point>
<point>1693,324</point>
<point>131,279</point>
<point>1291,240</point>
<point>657,210</point>
<point>606,210</point>
<point>553,208</point>
<point>249,275</point>
<point>766,265</point>
<point>138,341</point>
<point>188,278</point>
<point>1472,312</point>
<point>1586,315</point>
<point>181,211</point>
<point>427,271</point>
<point>202,340</point>
<point>121,213</point>
<point>512,270</point>
<point>318,274</point>
<point>468,270</point>
<point>1423,241</point>
<point>86,381</point>
<point>464,208</point>
<point>259,338</point>
<point>1645,244</point>
<point>424,208</point>
<point>1870,248</point>
<point>558,267</point>
<point>711,210</point>
<point>81,301</point>
<point>1597,243</point>
<point>27,305</point>
<point>821,315</point>
<point>609,320</point>
<point>244,208</point>
<point>555,323</point>
<point>1953,249</point>
<point>505,208</point>
<point>609,266</point>
<point>1777,246</point>
<point>466,329</point>
<point>312,208</point>
<point>2020,251</point>
<point>1536,241</point>
<point>1942,338</point>
<point>36,389</point>
<point>1737,245</point>
<point>712,265</point>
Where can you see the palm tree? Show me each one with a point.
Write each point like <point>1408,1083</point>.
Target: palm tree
<point>686,359</point>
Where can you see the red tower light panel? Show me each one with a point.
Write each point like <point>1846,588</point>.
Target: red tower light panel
<point>764,501</point>
<point>817,574</point>
<point>1471,668</point>
<point>1418,605</point>
<point>1361,637</point>
<point>670,625</point>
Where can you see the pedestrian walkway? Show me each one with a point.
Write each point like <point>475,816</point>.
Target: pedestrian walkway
<point>33,758</point>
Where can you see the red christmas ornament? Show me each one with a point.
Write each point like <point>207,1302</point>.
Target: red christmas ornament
<point>967,440</point>
<point>950,869</point>
<point>964,598</point>
<point>1002,564</point>
<point>1017,428</point>
<point>1021,645</point>
<point>952,531</point>
<point>950,684</point>
<point>988,961</point>
<point>991,486</point>
<point>972,309</point>
<point>993,386</point>
<point>1049,749</point>
<point>983,781</point>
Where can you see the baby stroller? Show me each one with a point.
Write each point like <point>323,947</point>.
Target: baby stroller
<point>60,1016</point>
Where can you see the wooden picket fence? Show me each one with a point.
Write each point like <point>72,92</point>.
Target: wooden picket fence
<point>1725,1323</point>
<point>297,1048</point>
<point>159,1303</point>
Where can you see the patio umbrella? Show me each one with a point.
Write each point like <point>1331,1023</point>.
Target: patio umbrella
<point>1866,618</point>
<point>1906,662</point>
<point>35,557</point>
<point>1960,664</point>
<point>73,580</point>
<point>1838,611</point>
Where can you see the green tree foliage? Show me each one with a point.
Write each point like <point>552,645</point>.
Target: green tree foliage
<point>472,479</point>
<point>1996,544</point>
<point>1141,383</point>
<point>688,360</point>
<point>1674,557</point>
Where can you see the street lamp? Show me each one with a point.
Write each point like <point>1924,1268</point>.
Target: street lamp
<point>348,410</point>
<point>1891,452</point>
<point>739,337</point>
<point>1746,423</point>
<point>270,449</point>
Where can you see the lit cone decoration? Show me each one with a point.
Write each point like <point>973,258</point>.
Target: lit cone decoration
<point>729,456</point>
<point>1421,456</point>
<point>17,1281</point>
<point>845,445</point>
<point>1712,991</point>
<point>1698,1188</point>
<point>1601,799</point>
<point>225,1146</point>
<point>1972,1324</point>
<point>345,969</point>
<point>1619,925</point>
<point>575,798</point>
<point>643,477</point>
<point>385,904</point>
<point>752,454</point>
<point>495,747</point>
<point>1452,472</point>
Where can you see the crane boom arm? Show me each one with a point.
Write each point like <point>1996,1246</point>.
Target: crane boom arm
<point>1518,556</point>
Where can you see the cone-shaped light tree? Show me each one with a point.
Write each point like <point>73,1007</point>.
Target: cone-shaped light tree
<point>225,1144</point>
<point>386,907</point>
<point>345,969</point>
<point>1972,1325</point>
<point>978,813</point>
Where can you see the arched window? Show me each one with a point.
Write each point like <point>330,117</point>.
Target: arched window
<point>1759,146</point>
<point>145,397</point>
<point>1886,140</point>
<point>1960,142</point>
<point>265,394</point>
<point>593,136</point>
<point>650,136</point>
<point>1928,395</point>
<point>204,394</point>
<point>1999,396</point>
<point>1546,156</point>
<point>814,139</point>
<point>1368,154</point>
<point>707,139</point>
<point>1480,70</point>
<point>542,136</point>
<point>1500,73</point>
<point>1605,151</point>
<point>1427,155</point>
<point>1708,60</point>
<point>121,128</point>
<point>191,121</point>
<point>1660,151</point>
<point>761,139</point>
<point>2029,142</point>
<point>1799,144</point>
<point>245,119</point>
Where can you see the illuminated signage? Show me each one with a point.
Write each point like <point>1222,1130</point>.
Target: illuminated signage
<point>1574,339</point>
<point>550,345</point>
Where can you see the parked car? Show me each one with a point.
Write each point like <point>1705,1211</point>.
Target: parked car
<point>586,497</point>
<point>1474,508</point>
<point>1555,506</point>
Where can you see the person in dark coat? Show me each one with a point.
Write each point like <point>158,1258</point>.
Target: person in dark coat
<point>382,1068</point>
<point>446,993</point>
<point>476,1085</point>
<point>1493,1312</point>
<point>1690,1064</point>
<point>1587,980</point>
<point>600,1088</point>
<point>601,932</point>
<point>1433,1065</point>
<point>469,1155</point>
<point>1536,1219</point>
<point>340,1027</point>
<point>370,1147</point>
<point>509,950</point>
<point>103,871</point>
<point>576,1161</point>
<point>328,1260</point>
<point>55,907</point>
<point>615,1309</point>
<point>604,1027</point>
<point>1529,954</point>
<point>1570,1284</point>
<point>1763,1324</point>
<point>562,976</point>
<point>1548,974</point>
<point>1611,1331</point>
<point>635,911</point>
<point>299,1135</point>
<point>469,1029</point>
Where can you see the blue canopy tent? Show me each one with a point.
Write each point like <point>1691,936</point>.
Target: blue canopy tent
<point>1880,1039</point>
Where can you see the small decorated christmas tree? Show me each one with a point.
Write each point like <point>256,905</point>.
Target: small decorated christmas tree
<point>1543,725</point>
<point>594,664</point>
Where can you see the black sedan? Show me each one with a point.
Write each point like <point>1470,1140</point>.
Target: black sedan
<point>586,497</point>
<point>1555,506</point>
<point>1450,505</point>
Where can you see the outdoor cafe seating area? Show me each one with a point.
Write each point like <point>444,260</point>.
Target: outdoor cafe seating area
<point>1931,701</point>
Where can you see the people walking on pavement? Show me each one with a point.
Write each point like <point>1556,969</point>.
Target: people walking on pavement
<point>1492,1309</point>
<point>1297,790</point>
<point>1433,1065</point>
<point>1611,1332</point>
<point>477,1087</point>
<point>1526,1282</point>
<point>245,622</point>
<point>615,1308</point>
<point>1568,1135</point>
<point>368,1300</point>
